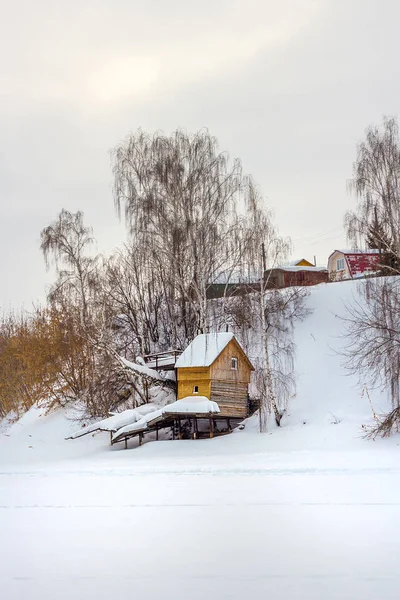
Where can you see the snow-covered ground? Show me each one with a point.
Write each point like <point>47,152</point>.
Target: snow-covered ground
<point>308,511</point>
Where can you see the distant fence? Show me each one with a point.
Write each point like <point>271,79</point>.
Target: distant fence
<point>275,279</point>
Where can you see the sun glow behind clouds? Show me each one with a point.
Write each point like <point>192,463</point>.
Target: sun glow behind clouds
<point>197,50</point>
<point>121,76</point>
<point>97,58</point>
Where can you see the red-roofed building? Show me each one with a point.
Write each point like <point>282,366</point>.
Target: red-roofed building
<point>352,264</point>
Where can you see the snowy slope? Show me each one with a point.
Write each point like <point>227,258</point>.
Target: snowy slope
<point>327,412</point>
<point>325,389</point>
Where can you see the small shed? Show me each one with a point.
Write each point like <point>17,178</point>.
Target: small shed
<point>214,365</point>
<point>284,277</point>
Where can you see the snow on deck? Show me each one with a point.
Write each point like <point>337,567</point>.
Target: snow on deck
<point>116,421</point>
<point>162,361</point>
<point>203,350</point>
<point>140,425</point>
<point>191,405</point>
<point>142,370</point>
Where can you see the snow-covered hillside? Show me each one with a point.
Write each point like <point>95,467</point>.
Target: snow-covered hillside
<point>309,510</point>
<point>326,413</point>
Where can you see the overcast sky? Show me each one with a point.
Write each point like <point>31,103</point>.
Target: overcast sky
<point>289,86</point>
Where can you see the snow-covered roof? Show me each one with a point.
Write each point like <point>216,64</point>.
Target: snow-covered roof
<point>295,268</point>
<point>357,251</point>
<point>238,276</point>
<point>203,350</point>
<point>117,420</point>
<point>191,405</point>
<point>140,425</point>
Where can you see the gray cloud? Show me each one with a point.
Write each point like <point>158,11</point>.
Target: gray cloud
<point>287,86</point>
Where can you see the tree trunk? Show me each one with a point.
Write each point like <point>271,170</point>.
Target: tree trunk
<point>269,387</point>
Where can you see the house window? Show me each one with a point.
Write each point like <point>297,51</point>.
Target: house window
<point>234,364</point>
<point>196,389</point>
<point>340,264</point>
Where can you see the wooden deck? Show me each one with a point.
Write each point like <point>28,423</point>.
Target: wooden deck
<point>162,361</point>
<point>184,426</point>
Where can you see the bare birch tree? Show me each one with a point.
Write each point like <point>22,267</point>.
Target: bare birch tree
<point>86,371</point>
<point>66,242</point>
<point>265,250</point>
<point>185,204</point>
<point>376,183</point>
<point>372,348</point>
<point>135,292</point>
<point>373,321</point>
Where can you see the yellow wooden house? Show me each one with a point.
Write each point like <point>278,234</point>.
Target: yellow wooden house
<point>215,366</point>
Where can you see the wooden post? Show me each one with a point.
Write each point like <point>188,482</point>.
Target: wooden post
<point>126,443</point>
<point>140,438</point>
<point>110,438</point>
<point>173,430</point>
<point>157,432</point>
<point>228,422</point>
<point>211,428</point>
<point>179,428</point>
<point>195,428</point>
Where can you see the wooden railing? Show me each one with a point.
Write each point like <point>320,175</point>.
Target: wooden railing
<point>160,359</point>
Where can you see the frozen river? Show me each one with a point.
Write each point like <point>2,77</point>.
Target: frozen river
<point>280,531</point>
